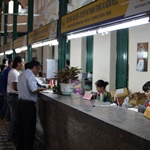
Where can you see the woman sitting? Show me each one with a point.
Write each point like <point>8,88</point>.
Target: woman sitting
<point>146,89</point>
<point>102,95</point>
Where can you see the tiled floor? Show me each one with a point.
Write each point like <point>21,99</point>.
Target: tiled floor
<point>4,144</point>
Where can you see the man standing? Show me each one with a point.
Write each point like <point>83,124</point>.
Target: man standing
<point>27,93</point>
<point>3,67</point>
<point>5,112</point>
<point>13,94</point>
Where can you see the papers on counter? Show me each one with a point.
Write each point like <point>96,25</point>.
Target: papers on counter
<point>102,104</point>
<point>47,91</point>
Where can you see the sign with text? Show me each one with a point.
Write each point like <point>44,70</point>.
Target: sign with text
<point>22,41</point>
<point>48,31</point>
<point>1,49</point>
<point>102,11</point>
<point>8,46</point>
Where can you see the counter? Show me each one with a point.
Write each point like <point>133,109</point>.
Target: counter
<point>72,123</point>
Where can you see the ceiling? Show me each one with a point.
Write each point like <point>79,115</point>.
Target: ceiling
<point>20,19</point>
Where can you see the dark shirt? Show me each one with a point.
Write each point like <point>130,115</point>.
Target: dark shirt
<point>2,82</point>
<point>6,77</point>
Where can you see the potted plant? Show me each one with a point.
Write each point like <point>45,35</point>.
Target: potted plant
<point>66,77</point>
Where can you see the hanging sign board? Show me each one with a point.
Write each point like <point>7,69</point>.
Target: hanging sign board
<point>48,31</point>
<point>22,41</point>
<point>1,49</point>
<point>102,11</point>
<point>8,46</point>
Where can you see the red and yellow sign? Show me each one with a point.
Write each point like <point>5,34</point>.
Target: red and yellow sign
<point>102,11</point>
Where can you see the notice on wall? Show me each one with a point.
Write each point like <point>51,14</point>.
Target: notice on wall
<point>142,57</point>
<point>51,68</point>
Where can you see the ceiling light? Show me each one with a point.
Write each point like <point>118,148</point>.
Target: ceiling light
<point>8,52</point>
<point>52,42</point>
<point>124,25</point>
<point>20,49</point>
<point>83,34</point>
<point>1,54</point>
<point>37,45</point>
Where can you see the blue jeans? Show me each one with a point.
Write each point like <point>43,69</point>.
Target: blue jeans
<point>12,104</point>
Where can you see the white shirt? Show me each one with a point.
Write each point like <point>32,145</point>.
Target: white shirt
<point>27,84</point>
<point>12,77</point>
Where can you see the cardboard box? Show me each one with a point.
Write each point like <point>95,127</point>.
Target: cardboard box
<point>121,94</point>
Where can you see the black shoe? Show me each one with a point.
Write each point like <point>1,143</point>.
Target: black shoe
<point>12,140</point>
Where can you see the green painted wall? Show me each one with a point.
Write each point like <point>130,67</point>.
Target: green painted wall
<point>89,54</point>
<point>122,59</point>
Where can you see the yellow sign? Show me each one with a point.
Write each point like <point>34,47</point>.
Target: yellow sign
<point>20,42</point>
<point>102,11</point>
<point>8,46</point>
<point>42,33</point>
<point>1,49</point>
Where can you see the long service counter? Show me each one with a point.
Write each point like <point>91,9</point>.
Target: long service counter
<point>72,123</point>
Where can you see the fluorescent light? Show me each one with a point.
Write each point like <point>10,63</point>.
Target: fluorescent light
<point>83,34</point>
<point>20,49</point>
<point>46,43</point>
<point>23,48</point>
<point>53,42</point>
<point>1,54</point>
<point>37,45</point>
<point>105,30</point>
<point>9,52</point>
<point>124,25</point>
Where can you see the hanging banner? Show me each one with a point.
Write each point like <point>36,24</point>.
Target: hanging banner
<point>8,46</point>
<point>142,57</point>
<point>102,11</point>
<point>1,49</point>
<point>48,31</point>
<point>22,41</point>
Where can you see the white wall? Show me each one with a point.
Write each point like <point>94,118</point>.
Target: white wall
<point>75,52</point>
<point>104,59</point>
<point>137,79</point>
<point>46,55</point>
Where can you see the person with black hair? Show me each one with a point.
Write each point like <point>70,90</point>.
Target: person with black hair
<point>38,83</point>
<point>5,112</point>
<point>68,64</point>
<point>146,89</point>
<point>12,91</point>
<point>4,61</point>
<point>27,93</point>
<point>103,95</point>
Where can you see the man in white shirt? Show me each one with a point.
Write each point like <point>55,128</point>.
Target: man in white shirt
<point>13,94</point>
<point>27,93</point>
